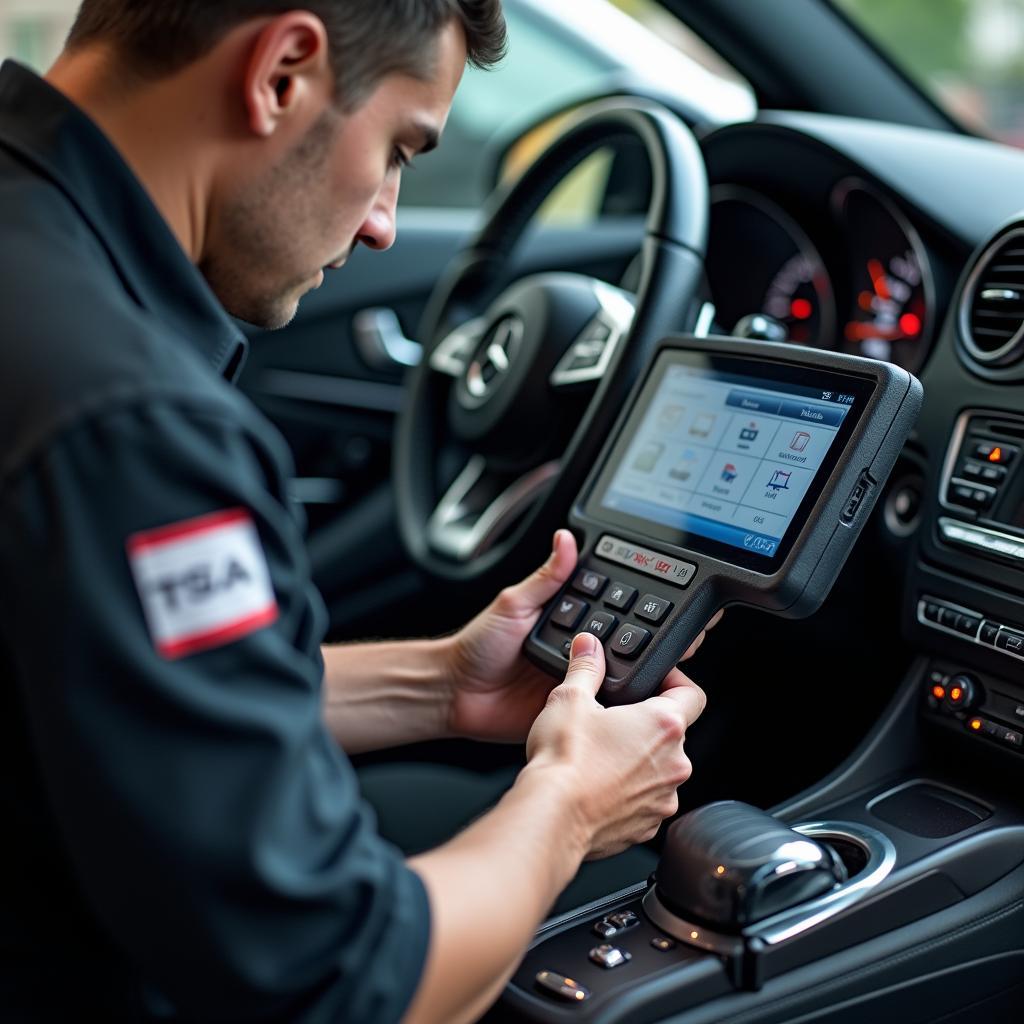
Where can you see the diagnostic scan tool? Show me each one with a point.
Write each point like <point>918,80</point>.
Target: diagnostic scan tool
<point>740,473</point>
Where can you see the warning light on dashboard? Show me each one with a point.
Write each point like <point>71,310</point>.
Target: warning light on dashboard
<point>801,309</point>
<point>938,692</point>
<point>996,455</point>
<point>910,324</point>
<point>975,724</point>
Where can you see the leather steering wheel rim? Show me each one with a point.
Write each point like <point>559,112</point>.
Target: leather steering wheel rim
<point>668,300</point>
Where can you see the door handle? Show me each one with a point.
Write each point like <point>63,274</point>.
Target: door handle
<point>382,342</point>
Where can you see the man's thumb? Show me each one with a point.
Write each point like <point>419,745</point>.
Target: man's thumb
<point>586,663</point>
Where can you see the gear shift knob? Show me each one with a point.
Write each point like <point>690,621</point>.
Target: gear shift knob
<point>728,865</point>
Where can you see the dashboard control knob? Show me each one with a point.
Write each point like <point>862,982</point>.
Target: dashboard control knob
<point>962,692</point>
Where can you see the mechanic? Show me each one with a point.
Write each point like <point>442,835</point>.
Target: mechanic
<point>184,837</point>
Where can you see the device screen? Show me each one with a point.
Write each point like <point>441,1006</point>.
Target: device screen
<point>728,454</point>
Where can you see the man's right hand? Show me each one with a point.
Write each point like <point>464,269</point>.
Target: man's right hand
<point>622,765</point>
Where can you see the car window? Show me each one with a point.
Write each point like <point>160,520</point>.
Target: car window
<point>966,54</point>
<point>558,54</point>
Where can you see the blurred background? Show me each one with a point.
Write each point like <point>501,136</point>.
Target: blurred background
<point>968,54</point>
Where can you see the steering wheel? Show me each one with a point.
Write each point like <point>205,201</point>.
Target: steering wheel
<point>521,381</point>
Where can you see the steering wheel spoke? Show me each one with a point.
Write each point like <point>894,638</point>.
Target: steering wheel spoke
<point>481,505</point>
<point>452,355</point>
<point>589,356</point>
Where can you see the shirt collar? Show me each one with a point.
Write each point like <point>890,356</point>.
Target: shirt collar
<point>45,129</point>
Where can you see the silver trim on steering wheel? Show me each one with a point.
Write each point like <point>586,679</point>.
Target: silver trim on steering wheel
<point>591,354</point>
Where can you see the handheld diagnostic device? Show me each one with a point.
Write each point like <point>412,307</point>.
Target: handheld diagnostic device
<point>739,473</point>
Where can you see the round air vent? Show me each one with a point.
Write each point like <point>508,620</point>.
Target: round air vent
<point>992,307</point>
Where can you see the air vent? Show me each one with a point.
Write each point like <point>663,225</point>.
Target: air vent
<point>992,308</point>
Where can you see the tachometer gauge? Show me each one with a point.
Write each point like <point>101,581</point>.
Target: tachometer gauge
<point>761,261</point>
<point>890,311</point>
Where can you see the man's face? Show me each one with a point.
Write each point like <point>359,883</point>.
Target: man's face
<point>273,238</point>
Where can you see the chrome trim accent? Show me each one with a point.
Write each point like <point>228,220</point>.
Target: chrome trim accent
<point>616,313</point>
<point>795,921</point>
<point>382,342</point>
<point>498,352</point>
<point>452,355</point>
<point>987,359</point>
<point>450,531</point>
<point>326,389</point>
<point>952,454</point>
<point>980,538</point>
<point>705,320</point>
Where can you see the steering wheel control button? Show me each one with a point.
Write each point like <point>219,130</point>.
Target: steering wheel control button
<point>629,641</point>
<point>600,624</point>
<point>609,956</point>
<point>652,609</point>
<point>653,563</point>
<point>568,612</point>
<point>589,582</point>
<point>620,597</point>
<point>663,945</point>
<point>560,987</point>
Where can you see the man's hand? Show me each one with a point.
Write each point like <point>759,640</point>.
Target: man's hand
<point>496,694</point>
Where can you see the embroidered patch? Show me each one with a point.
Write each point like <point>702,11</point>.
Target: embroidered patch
<point>203,582</point>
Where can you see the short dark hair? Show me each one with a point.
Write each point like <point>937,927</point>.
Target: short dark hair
<point>369,39</point>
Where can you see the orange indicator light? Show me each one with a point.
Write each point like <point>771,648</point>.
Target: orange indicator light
<point>996,455</point>
<point>975,724</point>
<point>955,694</point>
<point>938,692</point>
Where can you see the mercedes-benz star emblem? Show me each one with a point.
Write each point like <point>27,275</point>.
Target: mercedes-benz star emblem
<point>493,358</point>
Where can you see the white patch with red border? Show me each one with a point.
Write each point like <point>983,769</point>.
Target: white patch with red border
<point>203,582</point>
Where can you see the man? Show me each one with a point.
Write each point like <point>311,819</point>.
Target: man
<point>183,834</point>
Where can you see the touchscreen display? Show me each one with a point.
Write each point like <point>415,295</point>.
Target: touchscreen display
<point>727,456</point>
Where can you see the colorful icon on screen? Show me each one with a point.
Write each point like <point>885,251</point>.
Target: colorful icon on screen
<point>749,433</point>
<point>729,472</point>
<point>780,480</point>
<point>800,441</point>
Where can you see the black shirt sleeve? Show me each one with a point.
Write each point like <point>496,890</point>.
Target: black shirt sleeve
<point>210,820</point>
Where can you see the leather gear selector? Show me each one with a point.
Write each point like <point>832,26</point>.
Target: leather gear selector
<point>728,865</point>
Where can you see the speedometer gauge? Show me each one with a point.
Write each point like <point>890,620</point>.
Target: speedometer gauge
<point>761,261</point>
<point>889,316</point>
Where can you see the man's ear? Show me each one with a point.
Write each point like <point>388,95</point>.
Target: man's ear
<point>288,72</point>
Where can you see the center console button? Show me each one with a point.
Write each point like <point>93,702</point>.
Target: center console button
<point>993,453</point>
<point>630,640</point>
<point>652,609</point>
<point>663,945</point>
<point>989,632</point>
<point>620,597</point>
<point>609,956</point>
<point>589,582</point>
<point>554,984</point>
<point>624,919</point>
<point>968,625</point>
<point>949,618</point>
<point>1011,641</point>
<point>568,612</point>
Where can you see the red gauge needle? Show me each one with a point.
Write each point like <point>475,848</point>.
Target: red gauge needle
<point>877,272</point>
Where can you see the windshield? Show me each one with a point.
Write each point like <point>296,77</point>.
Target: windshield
<point>967,54</point>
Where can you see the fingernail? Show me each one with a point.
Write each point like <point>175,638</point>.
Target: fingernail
<point>583,644</point>
<point>554,542</point>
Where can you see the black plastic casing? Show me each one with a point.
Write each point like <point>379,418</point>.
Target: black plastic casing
<point>815,556</point>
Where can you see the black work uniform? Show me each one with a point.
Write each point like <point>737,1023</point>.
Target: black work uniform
<point>181,837</point>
